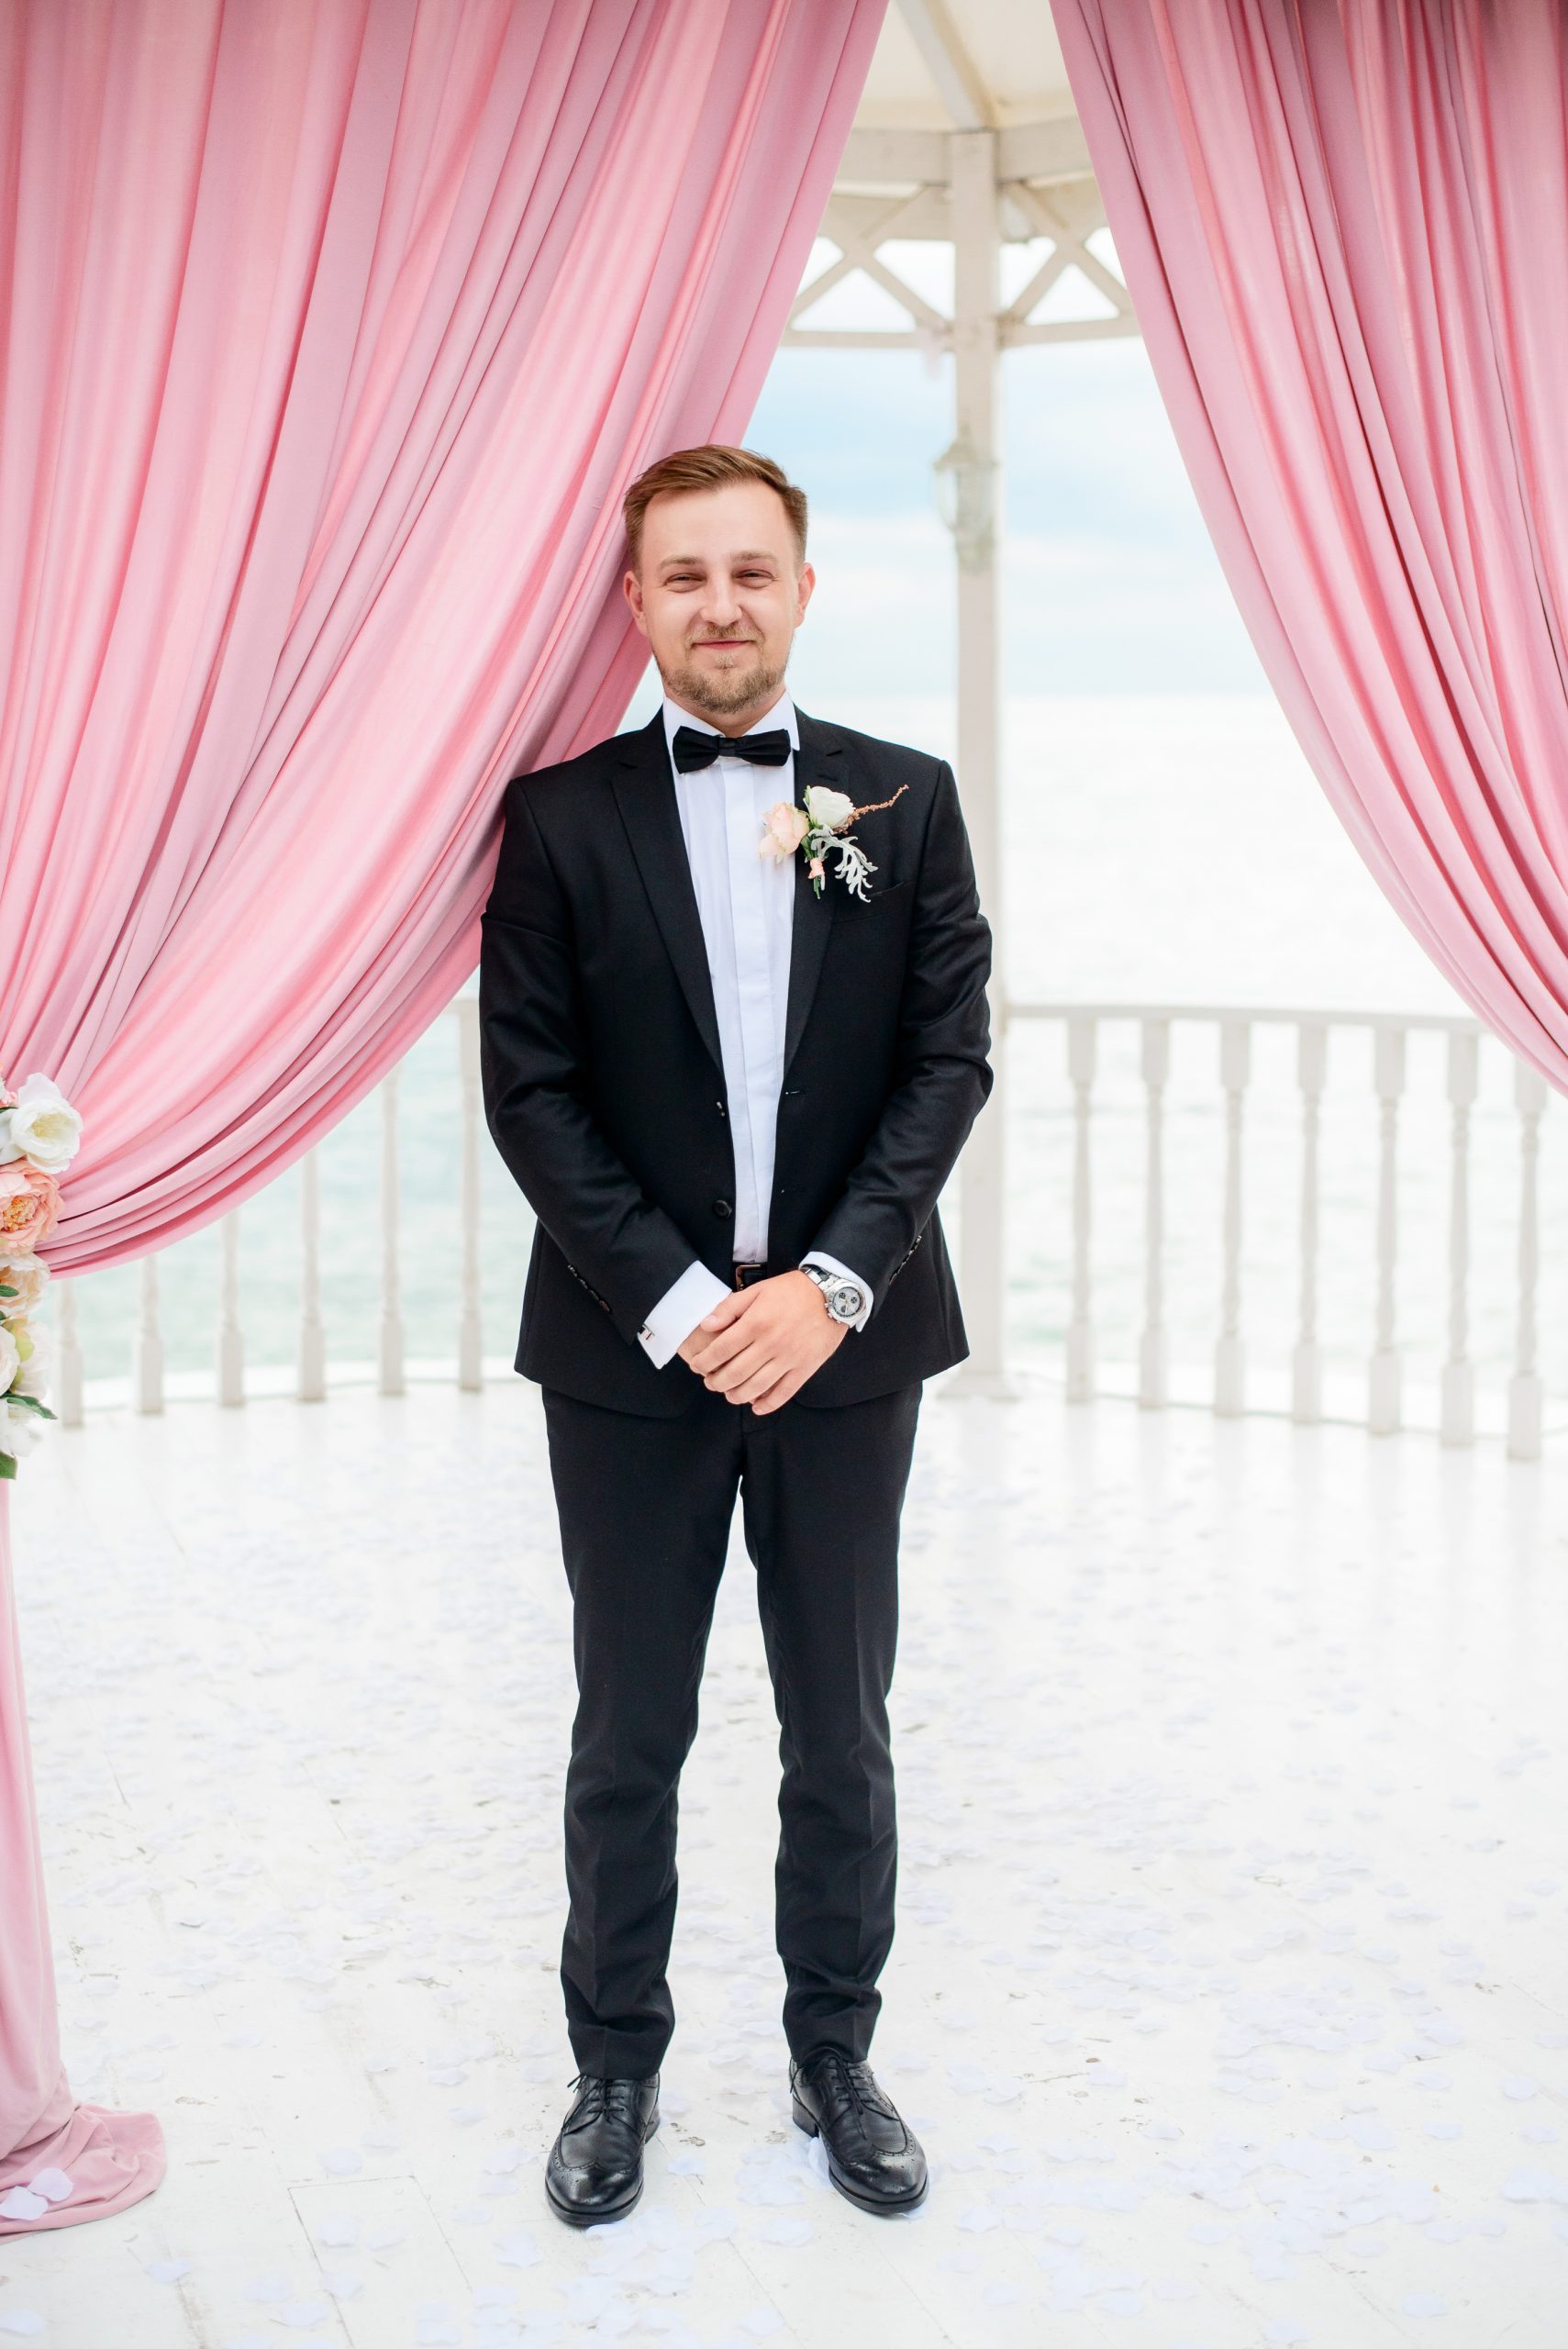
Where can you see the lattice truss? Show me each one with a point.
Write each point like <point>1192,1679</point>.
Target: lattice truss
<point>860,224</point>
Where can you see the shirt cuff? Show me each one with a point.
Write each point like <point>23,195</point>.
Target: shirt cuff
<point>832,1264</point>
<point>678,1311</point>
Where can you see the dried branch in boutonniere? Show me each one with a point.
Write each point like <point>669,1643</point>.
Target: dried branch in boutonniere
<point>822,824</point>
<point>39,1132</point>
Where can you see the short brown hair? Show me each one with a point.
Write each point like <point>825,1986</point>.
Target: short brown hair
<point>708,467</point>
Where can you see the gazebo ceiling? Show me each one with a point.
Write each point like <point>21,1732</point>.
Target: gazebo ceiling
<point>960,87</point>
<point>965,64</point>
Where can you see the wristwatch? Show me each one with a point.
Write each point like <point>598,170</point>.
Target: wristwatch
<point>844,1298</point>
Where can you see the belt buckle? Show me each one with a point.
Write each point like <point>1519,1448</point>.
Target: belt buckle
<point>743,1273</point>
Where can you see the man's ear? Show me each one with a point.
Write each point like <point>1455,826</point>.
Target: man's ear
<point>803,587</point>
<point>631,588</point>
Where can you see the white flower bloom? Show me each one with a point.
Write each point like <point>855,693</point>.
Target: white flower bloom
<point>10,1359</point>
<point>32,1378</point>
<point>833,809</point>
<point>19,1431</point>
<point>29,1275</point>
<point>43,1126</point>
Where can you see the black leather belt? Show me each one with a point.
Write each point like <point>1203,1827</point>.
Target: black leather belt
<point>744,1273</point>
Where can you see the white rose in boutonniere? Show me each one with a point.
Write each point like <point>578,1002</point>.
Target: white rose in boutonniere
<point>41,1126</point>
<point>832,810</point>
<point>823,824</point>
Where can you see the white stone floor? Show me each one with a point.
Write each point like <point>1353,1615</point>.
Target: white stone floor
<point>1230,1989</point>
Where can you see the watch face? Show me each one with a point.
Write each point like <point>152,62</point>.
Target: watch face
<point>845,1301</point>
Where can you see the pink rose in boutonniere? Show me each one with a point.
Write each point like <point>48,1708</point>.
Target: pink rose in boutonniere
<point>822,824</point>
<point>785,829</point>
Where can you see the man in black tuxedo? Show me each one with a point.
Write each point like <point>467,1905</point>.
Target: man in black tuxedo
<point>732,1076</point>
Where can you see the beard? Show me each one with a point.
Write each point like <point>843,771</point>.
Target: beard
<point>721,692</point>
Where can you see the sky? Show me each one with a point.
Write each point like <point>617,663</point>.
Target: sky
<point>1111,583</point>
<point>1244,886</point>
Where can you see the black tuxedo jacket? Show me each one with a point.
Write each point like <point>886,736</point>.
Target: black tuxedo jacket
<point>604,1087</point>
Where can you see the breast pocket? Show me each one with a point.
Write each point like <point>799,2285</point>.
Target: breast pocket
<point>898,896</point>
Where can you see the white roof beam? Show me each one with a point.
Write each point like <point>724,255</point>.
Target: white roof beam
<point>1026,150</point>
<point>949,65</point>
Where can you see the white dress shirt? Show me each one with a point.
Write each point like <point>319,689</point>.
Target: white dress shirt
<point>746,904</point>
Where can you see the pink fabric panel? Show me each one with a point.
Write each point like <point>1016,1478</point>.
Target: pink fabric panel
<point>336,333</point>
<point>333,334</point>
<point>1345,232</point>
<point>111,2158</point>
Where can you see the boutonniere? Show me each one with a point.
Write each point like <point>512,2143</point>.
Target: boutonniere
<point>823,824</point>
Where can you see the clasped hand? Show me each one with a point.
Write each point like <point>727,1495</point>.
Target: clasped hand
<point>760,1345</point>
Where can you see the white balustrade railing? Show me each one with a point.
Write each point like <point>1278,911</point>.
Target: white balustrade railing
<point>1389,1032</point>
<point>1232,1389</point>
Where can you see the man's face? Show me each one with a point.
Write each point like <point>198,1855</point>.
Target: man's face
<point>720,597</point>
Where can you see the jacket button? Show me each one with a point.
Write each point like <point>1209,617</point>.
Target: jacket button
<point>723,1209</point>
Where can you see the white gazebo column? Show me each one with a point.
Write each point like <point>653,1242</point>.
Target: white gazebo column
<point>971,505</point>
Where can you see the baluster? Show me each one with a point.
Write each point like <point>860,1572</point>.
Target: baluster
<point>1458,1424</point>
<point>470,1335</point>
<point>312,1334</point>
<point>1382,1381</point>
<point>1081,1031</point>
<point>1525,1387</point>
<point>230,1338</point>
<point>71,1406</point>
<point>147,1347</point>
<point>391,1381</point>
<point>1307,1368</point>
<point>1151,1365</point>
<point>1229,1365</point>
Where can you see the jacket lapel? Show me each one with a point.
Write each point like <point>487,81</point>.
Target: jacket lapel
<point>820,759</point>
<point>645,792</point>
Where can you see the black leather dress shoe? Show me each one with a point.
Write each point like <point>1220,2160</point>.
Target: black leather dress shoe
<point>874,2157</point>
<point>595,2170</point>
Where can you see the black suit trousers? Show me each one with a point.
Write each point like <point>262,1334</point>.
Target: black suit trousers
<point>645,1508</point>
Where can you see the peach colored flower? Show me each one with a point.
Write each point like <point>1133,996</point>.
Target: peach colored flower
<point>30,1208</point>
<point>783,828</point>
<point>7,1098</point>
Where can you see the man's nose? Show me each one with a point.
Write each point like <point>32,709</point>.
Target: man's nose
<point>721,606</point>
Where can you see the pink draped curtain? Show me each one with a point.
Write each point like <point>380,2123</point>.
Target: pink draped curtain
<point>1344,227</point>
<point>333,334</point>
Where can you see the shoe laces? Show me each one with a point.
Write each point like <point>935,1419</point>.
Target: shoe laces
<point>850,2080</point>
<point>596,2093</point>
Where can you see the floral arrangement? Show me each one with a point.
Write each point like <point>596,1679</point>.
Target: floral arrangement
<point>823,824</point>
<point>40,1134</point>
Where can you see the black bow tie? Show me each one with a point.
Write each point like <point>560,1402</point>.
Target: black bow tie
<point>693,749</point>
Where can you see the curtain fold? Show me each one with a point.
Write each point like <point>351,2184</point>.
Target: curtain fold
<point>332,336</point>
<point>1345,233</point>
